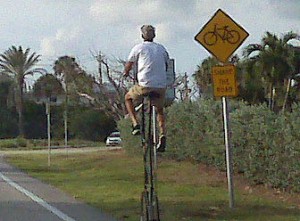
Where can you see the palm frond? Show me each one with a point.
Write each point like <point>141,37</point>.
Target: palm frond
<point>252,48</point>
<point>289,36</point>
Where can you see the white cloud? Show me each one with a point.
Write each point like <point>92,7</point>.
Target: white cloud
<point>178,21</point>
<point>47,47</point>
<point>115,12</point>
<point>55,28</point>
<point>63,40</point>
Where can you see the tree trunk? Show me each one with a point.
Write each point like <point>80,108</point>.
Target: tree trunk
<point>273,98</point>
<point>19,106</point>
<point>270,95</point>
<point>286,94</point>
<point>99,59</point>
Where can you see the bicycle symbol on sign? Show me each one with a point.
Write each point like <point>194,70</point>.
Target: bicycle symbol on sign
<point>227,35</point>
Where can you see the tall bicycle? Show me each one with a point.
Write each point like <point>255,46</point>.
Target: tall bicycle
<point>149,198</point>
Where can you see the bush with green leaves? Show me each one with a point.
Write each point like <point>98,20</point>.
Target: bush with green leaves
<point>13,143</point>
<point>131,143</point>
<point>266,145</point>
<point>89,124</point>
<point>9,123</point>
<point>195,131</point>
<point>35,120</point>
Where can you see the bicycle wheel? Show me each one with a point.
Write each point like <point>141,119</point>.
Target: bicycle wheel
<point>155,135</point>
<point>145,143</point>
<point>144,206</point>
<point>155,205</point>
<point>155,130</point>
<point>210,38</point>
<point>143,124</point>
<point>150,146</point>
<point>233,37</point>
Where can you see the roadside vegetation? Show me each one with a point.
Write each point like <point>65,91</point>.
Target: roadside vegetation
<point>20,143</point>
<point>113,181</point>
<point>266,145</point>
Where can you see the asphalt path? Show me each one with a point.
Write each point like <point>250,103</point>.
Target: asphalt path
<point>23,198</point>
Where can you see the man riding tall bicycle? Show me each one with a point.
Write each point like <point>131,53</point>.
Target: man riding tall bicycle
<point>152,62</point>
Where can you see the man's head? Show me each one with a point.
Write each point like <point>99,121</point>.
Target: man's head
<point>148,32</point>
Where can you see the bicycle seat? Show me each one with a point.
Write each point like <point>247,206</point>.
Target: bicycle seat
<point>152,94</point>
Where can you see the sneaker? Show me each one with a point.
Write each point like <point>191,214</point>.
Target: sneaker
<point>136,130</point>
<point>161,147</point>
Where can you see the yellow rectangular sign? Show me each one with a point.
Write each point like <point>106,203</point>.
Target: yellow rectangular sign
<point>224,81</point>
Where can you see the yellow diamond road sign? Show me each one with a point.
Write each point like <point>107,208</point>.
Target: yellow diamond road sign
<point>224,81</point>
<point>221,36</point>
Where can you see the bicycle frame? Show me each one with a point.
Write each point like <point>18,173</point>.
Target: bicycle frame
<point>221,32</point>
<point>149,199</point>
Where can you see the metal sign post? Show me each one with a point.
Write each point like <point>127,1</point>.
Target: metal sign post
<point>48,132</point>
<point>224,81</point>
<point>227,138</point>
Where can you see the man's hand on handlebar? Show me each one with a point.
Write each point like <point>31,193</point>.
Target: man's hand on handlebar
<point>125,75</point>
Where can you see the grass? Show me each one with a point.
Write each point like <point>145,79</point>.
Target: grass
<point>113,181</point>
<point>36,144</point>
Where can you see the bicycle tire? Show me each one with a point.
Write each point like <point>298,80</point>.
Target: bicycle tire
<point>144,206</point>
<point>210,38</point>
<point>149,200</point>
<point>233,37</point>
<point>150,143</point>
<point>143,124</point>
<point>156,209</point>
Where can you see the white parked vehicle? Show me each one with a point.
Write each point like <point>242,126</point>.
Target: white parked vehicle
<point>114,139</point>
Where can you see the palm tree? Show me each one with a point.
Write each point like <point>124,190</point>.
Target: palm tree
<point>65,67</point>
<point>18,64</point>
<point>203,76</point>
<point>250,82</point>
<point>47,87</point>
<point>274,57</point>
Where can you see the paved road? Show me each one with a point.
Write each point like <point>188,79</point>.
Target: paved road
<point>23,198</point>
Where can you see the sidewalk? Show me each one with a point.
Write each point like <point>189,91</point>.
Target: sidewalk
<point>44,196</point>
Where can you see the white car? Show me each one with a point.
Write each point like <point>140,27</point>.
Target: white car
<point>114,139</point>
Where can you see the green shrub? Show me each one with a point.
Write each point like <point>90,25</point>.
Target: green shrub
<point>21,142</point>
<point>266,146</point>
<point>90,124</point>
<point>13,143</point>
<point>38,143</point>
<point>195,132</point>
<point>8,143</point>
<point>132,144</point>
<point>9,125</point>
<point>35,120</point>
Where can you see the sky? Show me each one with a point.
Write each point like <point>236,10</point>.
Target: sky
<point>79,28</point>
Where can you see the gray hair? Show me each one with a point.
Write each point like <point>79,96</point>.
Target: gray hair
<point>148,32</point>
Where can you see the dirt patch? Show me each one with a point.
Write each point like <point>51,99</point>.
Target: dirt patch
<point>218,177</point>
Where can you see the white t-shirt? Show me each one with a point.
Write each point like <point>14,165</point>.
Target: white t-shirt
<point>151,61</point>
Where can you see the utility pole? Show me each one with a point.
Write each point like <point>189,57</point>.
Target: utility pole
<point>99,60</point>
<point>186,90</point>
<point>48,131</point>
<point>66,113</point>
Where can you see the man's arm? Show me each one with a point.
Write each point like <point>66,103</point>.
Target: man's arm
<point>128,67</point>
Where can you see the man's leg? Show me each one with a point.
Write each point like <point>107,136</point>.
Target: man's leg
<point>130,109</point>
<point>162,130</point>
<point>133,94</point>
<point>161,121</point>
